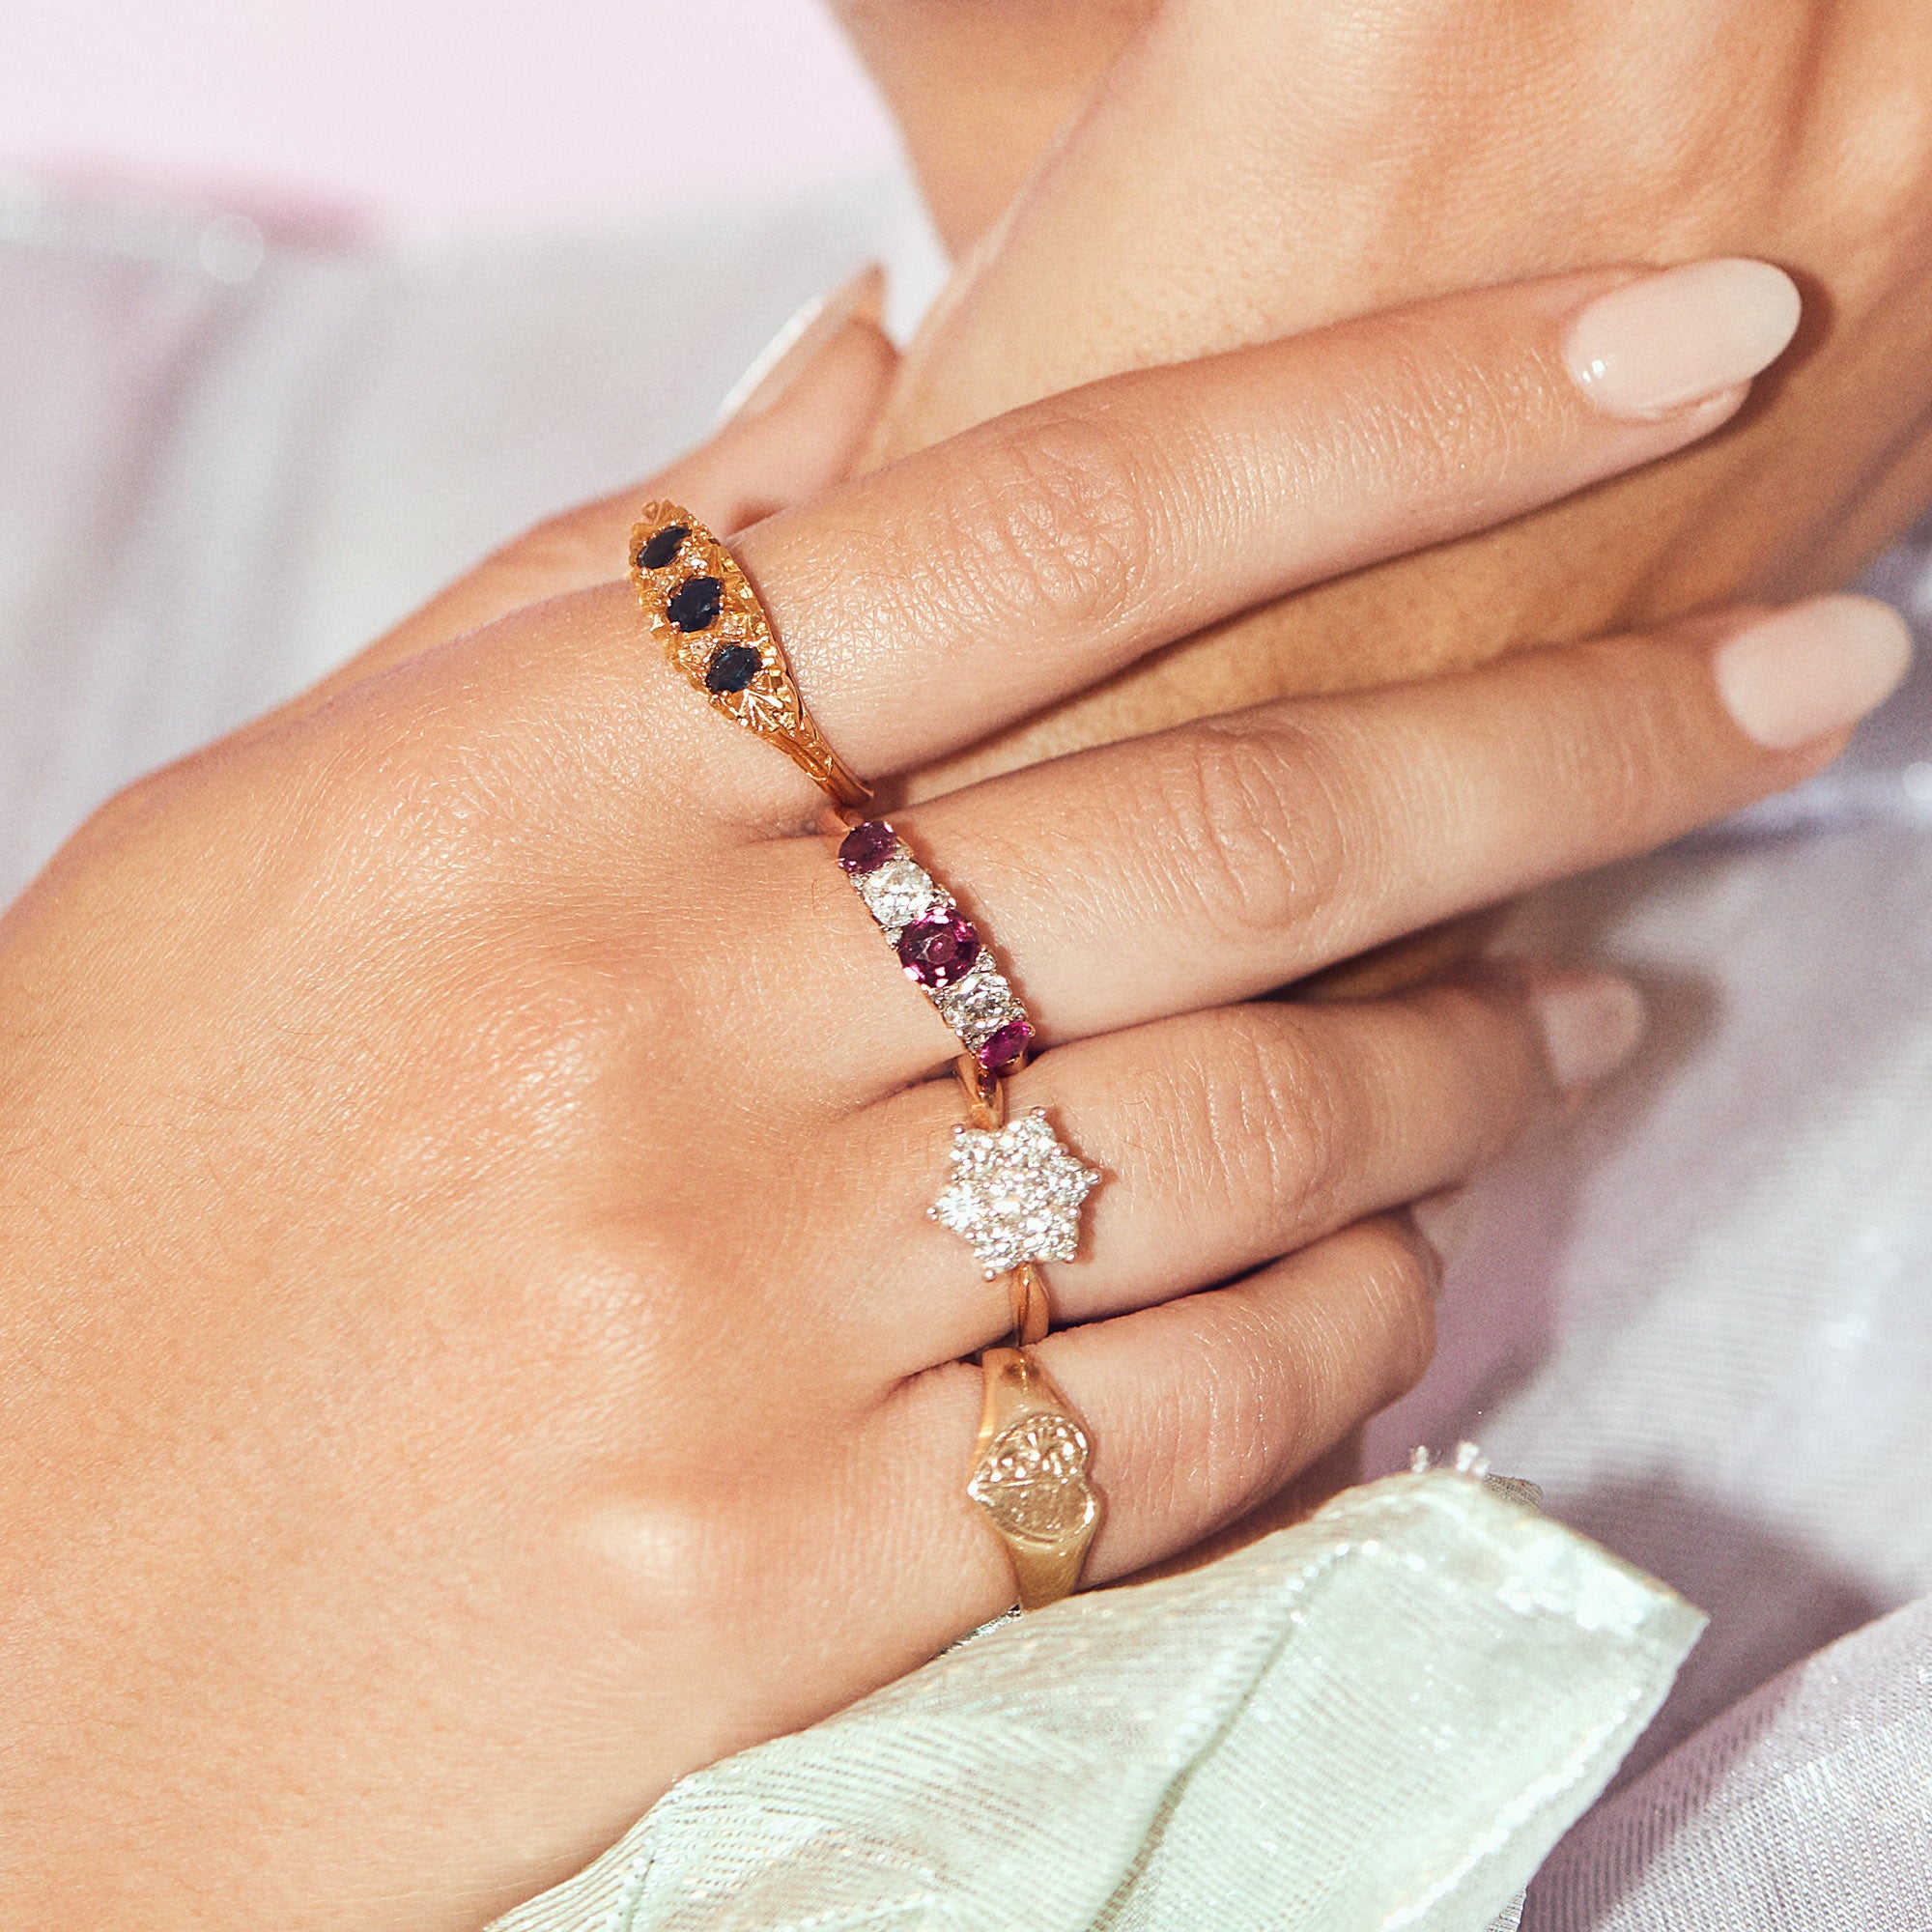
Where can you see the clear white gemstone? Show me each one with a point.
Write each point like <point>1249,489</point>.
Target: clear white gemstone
<point>1015,1194</point>
<point>977,1006</point>
<point>898,891</point>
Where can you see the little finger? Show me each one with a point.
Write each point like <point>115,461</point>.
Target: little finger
<point>1197,1410</point>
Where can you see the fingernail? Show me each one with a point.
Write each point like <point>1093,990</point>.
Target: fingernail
<point>779,361</point>
<point>1814,668</point>
<point>1591,1024</point>
<point>1442,1220</point>
<point>1671,339</point>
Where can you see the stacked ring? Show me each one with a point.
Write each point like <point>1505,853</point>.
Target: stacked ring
<point>986,1112</point>
<point>1030,1476</point>
<point>1015,1191</point>
<point>939,949</point>
<point>704,612</point>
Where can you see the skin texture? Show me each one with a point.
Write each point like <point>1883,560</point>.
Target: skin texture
<point>1246,168</point>
<point>472,1348</point>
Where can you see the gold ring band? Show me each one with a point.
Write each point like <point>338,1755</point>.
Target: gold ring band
<point>1030,1476</point>
<point>704,612</point>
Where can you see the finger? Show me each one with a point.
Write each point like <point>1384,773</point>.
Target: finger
<point>1207,864</point>
<point>1229,1138</point>
<point>796,434</point>
<point>975,582</point>
<point>1198,1410</point>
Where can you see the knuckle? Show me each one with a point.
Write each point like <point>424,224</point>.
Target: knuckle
<point>1434,415</point>
<point>1256,826</point>
<point>1222,1438</point>
<point>1053,524</point>
<point>1278,1120</point>
<point>1637,749</point>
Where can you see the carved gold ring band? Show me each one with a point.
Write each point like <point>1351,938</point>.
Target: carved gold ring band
<point>713,628</point>
<point>1030,1476</point>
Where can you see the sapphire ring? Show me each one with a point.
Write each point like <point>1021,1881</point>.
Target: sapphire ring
<point>713,628</point>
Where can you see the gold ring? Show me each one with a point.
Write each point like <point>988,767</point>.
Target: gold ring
<point>1030,1476</point>
<point>713,628</point>
<point>939,949</point>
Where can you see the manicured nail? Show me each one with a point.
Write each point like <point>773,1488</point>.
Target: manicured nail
<point>1814,668</point>
<point>1668,340</point>
<point>1591,1024</point>
<point>788,353</point>
<point>1442,1220</point>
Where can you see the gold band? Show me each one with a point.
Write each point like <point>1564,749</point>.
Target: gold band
<point>1030,1476</point>
<point>986,1095</point>
<point>713,628</point>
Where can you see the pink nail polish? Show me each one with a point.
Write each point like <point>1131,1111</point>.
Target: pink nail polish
<point>1812,669</point>
<point>1591,1022</point>
<point>1665,341</point>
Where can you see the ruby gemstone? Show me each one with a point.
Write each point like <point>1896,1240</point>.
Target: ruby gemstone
<point>867,846</point>
<point>1006,1046</point>
<point>937,950</point>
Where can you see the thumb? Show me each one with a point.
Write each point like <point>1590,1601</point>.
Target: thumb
<point>795,426</point>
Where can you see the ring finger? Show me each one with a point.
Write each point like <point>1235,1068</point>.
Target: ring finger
<point>1230,1137</point>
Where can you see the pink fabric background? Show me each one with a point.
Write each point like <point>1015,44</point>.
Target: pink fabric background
<point>428,115</point>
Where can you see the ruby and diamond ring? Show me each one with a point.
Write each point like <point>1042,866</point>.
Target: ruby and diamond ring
<point>939,950</point>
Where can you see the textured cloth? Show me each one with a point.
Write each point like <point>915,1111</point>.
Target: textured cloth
<point>1808,1806</point>
<point>1206,1751</point>
<point>1701,1317</point>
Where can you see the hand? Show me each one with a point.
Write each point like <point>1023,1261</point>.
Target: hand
<point>473,1350</point>
<point>1249,167</point>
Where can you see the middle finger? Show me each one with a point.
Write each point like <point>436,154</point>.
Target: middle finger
<point>1208,864</point>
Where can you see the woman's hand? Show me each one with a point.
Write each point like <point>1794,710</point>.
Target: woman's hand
<point>473,1345</point>
<point>1251,167</point>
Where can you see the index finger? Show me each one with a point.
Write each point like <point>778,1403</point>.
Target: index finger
<point>976,582</point>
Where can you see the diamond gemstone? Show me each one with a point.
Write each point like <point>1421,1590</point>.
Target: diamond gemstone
<point>1015,1194</point>
<point>980,1004</point>
<point>899,892</point>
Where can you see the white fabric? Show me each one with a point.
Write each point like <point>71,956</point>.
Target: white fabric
<point>1702,1319</point>
<point>1206,1751</point>
<point>1807,1805</point>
